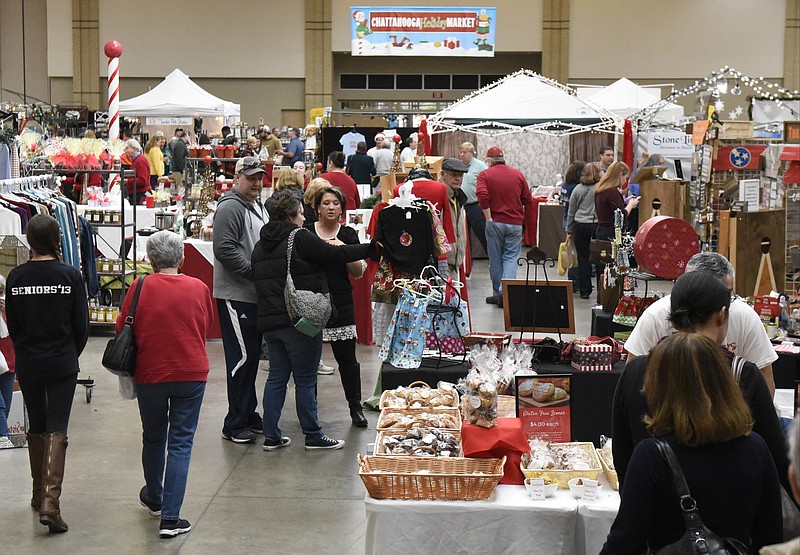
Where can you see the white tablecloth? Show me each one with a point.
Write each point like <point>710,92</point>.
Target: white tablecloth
<point>508,523</point>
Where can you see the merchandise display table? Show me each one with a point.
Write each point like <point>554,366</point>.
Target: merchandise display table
<point>508,522</point>
<point>199,262</point>
<point>108,241</point>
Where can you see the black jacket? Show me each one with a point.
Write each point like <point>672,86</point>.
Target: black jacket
<point>630,407</point>
<point>310,258</point>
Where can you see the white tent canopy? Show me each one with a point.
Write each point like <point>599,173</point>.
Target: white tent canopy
<point>522,102</point>
<point>624,98</point>
<point>177,95</point>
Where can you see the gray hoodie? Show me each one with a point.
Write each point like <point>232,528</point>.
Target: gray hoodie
<point>237,223</point>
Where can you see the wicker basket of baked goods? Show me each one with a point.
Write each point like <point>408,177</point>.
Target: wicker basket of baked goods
<point>430,478</point>
<point>561,462</point>
<point>445,418</point>
<point>608,469</point>
<point>436,442</point>
<point>419,395</point>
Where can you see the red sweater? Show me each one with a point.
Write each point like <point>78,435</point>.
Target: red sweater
<point>606,203</point>
<point>345,184</point>
<point>504,190</point>
<point>173,316</point>
<point>141,166</point>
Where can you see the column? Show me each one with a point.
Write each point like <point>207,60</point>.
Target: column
<point>86,53</point>
<point>319,59</point>
<point>555,40</point>
<point>791,46</point>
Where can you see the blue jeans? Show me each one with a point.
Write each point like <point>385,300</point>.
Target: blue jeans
<point>169,413</point>
<point>477,223</point>
<point>292,353</point>
<point>505,244</point>
<point>6,394</point>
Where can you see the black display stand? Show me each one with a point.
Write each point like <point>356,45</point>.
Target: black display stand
<point>604,326</point>
<point>393,377</point>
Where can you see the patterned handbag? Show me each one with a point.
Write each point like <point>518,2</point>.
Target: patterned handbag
<point>301,304</point>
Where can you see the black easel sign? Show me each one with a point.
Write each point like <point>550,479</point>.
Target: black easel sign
<point>543,406</point>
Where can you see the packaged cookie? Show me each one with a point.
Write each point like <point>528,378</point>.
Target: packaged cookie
<point>479,402</point>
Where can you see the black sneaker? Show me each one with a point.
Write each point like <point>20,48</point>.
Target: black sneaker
<point>171,528</point>
<point>152,507</point>
<point>324,442</point>
<point>242,437</point>
<point>257,428</point>
<point>500,302</point>
<point>491,300</point>
<point>272,444</point>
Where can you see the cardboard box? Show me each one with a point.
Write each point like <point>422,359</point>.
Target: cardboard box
<point>736,130</point>
<point>597,357</point>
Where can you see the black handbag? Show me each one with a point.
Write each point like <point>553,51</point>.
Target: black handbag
<point>600,252</point>
<point>120,354</point>
<point>698,538</point>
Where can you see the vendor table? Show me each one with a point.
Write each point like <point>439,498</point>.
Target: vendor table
<point>786,370</point>
<point>507,523</point>
<point>199,262</point>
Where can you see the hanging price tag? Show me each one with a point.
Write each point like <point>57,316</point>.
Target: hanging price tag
<point>589,490</point>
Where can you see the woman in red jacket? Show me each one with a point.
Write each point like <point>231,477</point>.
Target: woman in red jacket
<point>171,375</point>
<point>138,185</point>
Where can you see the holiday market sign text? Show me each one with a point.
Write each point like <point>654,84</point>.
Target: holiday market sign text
<point>422,31</point>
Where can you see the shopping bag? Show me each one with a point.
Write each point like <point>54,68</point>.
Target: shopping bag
<point>567,256</point>
<point>630,307</point>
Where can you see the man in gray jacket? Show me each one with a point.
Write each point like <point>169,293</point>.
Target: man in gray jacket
<point>237,223</point>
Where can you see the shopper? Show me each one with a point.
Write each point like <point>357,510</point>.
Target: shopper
<point>700,304</point>
<point>340,331</point>
<point>48,320</point>
<point>138,185</point>
<point>475,219</point>
<point>608,198</point>
<point>582,224</point>
<point>339,179</point>
<point>746,336</point>
<point>180,155</point>
<point>252,147</point>
<point>503,193</point>
<point>293,353</point>
<point>452,175</point>
<point>152,151</point>
<point>410,151</point>
<point>171,375</point>
<point>606,158</point>
<point>696,407</point>
<point>237,222</point>
<point>572,177</point>
<point>361,166</point>
<point>7,365</point>
<point>294,151</point>
<point>791,547</point>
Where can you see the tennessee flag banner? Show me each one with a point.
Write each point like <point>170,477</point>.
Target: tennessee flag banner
<point>742,157</point>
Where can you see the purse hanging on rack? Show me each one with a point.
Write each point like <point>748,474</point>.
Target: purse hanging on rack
<point>698,538</point>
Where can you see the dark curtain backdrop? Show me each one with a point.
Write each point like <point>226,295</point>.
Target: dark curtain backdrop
<point>586,146</point>
<point>446,144</point>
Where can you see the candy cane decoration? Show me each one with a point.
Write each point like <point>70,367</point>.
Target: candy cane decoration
<point>113,50</point>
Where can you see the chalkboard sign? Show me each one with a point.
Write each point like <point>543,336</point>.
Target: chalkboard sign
<point>538,306</point>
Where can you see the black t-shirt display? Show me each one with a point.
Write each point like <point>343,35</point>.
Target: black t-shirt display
<point>407,237</point>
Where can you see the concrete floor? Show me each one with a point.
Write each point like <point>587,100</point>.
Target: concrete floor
<point>240,499</point>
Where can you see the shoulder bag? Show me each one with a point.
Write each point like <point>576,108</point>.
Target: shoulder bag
<point>120,354</point>
<point>600,252</point>
<point>309,311</point>
<point>698,538</point>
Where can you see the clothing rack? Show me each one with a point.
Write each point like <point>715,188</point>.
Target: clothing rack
<point>16,183</point>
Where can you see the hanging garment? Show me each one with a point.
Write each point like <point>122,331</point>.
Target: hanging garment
<point>405,339</point>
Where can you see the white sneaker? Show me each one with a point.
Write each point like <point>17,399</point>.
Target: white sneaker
<point>324,369</point>
<point>6,443</point>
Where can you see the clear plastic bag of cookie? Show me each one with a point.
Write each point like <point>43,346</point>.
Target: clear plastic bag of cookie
<point>479,402</point>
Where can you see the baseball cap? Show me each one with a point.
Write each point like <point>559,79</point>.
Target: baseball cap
<point>249,165</point>
<point>454,165</point>
<point>494,152</point>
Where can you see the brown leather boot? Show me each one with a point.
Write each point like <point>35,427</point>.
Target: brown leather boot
<point>55,451</point>
<point>35,450</point>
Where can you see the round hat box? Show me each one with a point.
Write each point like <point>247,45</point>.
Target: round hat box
<point>663,245</point>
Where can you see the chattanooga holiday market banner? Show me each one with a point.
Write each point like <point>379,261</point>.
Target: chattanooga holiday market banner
<point>409,31</point>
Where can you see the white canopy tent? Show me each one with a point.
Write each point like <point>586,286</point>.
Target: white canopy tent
<point>624,98</point>
<point>523,102</point>
<point>177,95</point>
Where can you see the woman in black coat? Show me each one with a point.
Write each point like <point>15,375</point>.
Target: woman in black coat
<point>340,331</point>
<point>291,352</point>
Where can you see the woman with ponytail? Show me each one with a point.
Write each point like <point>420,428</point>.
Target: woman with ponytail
<point>699,305</point>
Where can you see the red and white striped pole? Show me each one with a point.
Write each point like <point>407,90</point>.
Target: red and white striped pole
<point>113,50</point>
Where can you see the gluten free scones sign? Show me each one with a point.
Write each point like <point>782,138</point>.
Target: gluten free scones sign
<point>422,31</point>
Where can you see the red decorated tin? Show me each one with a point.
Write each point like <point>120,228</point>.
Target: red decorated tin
<point>663,245</point>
